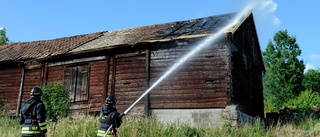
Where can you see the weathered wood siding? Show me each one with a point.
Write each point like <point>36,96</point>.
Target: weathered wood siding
<point>130,79</point>
<point>201,82</point>
<point>97,93</point>
<point>247,70</point>
<point>10,81</point>
<point>9,86</point>
<point>55,74</point>
<point>32,79</point>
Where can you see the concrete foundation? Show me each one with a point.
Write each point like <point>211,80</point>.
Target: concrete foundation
<point>202,117</point>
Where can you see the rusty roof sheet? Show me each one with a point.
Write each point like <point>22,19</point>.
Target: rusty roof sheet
<point>39,49</point>
<point>160,32</point>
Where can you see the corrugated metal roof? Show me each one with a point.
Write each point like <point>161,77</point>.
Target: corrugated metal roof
<point>45,48</point>
<point>159,32</point>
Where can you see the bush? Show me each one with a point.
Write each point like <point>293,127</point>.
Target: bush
<point>56,100</point>
<point>4,108</point>
<point>305,100</point>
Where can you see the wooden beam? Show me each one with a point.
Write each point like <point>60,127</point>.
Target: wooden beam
<point>77,61</point>
<point>106,76</point>
<point>113,82</point>
<point>44,74</point>
<point>147,97</point>
<point>21,90</point>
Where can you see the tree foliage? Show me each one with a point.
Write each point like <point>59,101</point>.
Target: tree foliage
<point>284,71</point>
<point>3,38</point>
<point>311,80</point>
<point>305,100</point>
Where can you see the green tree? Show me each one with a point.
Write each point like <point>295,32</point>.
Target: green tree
<point>3,37</point>
<point>311,80</point>
<point>284,71</point>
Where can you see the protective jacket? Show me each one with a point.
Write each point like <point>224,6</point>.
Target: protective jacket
<point>109,116</point>
<point>33,118</point>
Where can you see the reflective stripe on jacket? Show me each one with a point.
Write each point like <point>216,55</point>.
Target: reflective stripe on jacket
<point>30,130</point>
<point>102,132</point>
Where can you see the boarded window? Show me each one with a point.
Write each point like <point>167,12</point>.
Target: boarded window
<point>76,82</point>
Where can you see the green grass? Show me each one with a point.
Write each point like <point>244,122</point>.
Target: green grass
<point>9,127</point>
<point>134,126</point>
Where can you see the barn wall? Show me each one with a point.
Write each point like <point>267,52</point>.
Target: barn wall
<point>31,80</point>
<point>130,79</point>
<point>201,82</point>
<point>247,70</point>
<point>55,74</point>
<point>96,85</point>
<point>9,87</point>
<point>10,80</point>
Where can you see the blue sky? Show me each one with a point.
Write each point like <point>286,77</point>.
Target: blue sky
<point>42,20</point>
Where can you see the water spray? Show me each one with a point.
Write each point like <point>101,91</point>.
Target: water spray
<point>206,42</point>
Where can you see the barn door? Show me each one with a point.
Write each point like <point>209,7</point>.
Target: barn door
<point>76,82</point>
<point>70,81</point>
<point>82,83</point>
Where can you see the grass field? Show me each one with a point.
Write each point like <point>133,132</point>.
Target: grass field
<point>133,126</point>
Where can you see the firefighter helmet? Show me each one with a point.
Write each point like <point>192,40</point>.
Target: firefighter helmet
<point>111,100</point>
<point>36,91</point>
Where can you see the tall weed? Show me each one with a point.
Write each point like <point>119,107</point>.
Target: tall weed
<point>135,126</point>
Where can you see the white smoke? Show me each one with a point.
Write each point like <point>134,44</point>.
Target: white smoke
<point>266,9</point>
<point>268,5</point>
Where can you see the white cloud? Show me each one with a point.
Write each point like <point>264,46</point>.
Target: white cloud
<point>309,66</point>
<point>1,28</point>
<point>315,57</point>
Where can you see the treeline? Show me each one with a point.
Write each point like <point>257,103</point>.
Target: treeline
<point>285,82</point>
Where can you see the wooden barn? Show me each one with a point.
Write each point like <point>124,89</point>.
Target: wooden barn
<point>223,81</point>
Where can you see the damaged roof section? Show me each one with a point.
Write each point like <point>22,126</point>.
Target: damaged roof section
<point>38,49</point>
<point>160,32</point>
<point>86,43</point>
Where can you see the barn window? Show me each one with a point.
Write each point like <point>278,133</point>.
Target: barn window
<point>76,82</point>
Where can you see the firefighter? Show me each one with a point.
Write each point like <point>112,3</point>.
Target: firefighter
<point>109,116</point>
<point>33,115</point>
